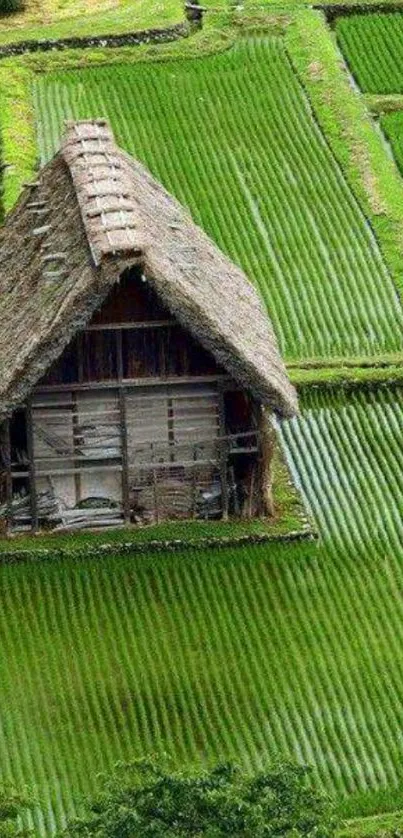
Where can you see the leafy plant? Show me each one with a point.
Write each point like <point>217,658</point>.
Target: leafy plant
<point>7,6</point>
<point>12,805</point>
<point>146,799</point>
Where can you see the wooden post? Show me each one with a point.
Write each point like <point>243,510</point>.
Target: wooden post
<point>155,487</point>
<point>125,455</point>
<point>80,357</point>
<point>267,441</point>
<point>171,435</point>
<point>223,455</point>
<point>76,463</point>
<point>9,477</point>
<point>31,466</point>
<point>123,429</point>
<point>194,512</point>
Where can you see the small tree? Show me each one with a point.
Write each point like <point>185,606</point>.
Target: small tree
<point>146,800</point>
<point>8,6</point>
<point>12,806</point>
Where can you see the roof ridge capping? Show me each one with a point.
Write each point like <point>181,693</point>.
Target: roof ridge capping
<point>104,190</point>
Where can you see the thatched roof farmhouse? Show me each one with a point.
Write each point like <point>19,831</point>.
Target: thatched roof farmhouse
<point>129,344</point>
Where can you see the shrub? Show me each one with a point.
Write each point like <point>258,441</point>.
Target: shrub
<point>12,806</point>
<point>147,800</point>
<point>8,6</point>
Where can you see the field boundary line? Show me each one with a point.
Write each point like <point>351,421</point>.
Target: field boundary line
<point>113,41</point>
<point>128,548</point>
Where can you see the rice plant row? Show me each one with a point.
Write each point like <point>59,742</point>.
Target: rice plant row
<point>392,126</point>
<point>233,137</point>
<point>373,47</point>
<point>347,456</point>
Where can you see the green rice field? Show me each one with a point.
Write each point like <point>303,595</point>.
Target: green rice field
<point>243,652</point>
<point>346,452</point>
<point>373,47</point>
<point>233,137</point>
<point>392,125</point>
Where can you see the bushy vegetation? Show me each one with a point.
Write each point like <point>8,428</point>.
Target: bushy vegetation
<point>233,138</point>
<point>13,805</point>
<point>7,6</point>
<point>147,799</point>
<point>373,47</point>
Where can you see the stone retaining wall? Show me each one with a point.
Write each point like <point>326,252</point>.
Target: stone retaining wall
<point>145,36</point>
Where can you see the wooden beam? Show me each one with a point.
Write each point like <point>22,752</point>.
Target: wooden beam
<point>133,382</point>
<point>63,471</point>
<point>32,470</point>
<point>146,324</point>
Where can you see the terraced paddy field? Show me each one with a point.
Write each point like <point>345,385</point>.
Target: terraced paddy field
<point>233,137</point>
<point>247,652</point>
<point>347,455</point>
<point>373,47</point>
<point>392,126</point>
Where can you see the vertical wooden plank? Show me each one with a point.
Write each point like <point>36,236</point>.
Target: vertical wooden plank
<point>119,354</point>
<point>9,477</point>
<point>31,467</point>
<point>266,443</point>
<point>80,357</point>
<point>155,487</point>
<point>171,431</point>
<point>77,463</point>
<point>194,483</point>
<point>123,428</point>
<point>125,455</point>
<point>223,453</point>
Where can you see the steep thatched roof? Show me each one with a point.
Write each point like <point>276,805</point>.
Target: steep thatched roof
<point>93,212</point>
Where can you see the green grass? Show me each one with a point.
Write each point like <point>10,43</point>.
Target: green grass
<point>128,17</point>
<point>346,376</point>
<point>18,142</point>
<point>257,175</point>
<point>380,104</point>
<point>387,825</point>
<point>373,46</point>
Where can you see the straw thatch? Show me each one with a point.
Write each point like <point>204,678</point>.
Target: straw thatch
<point>92,213</point>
